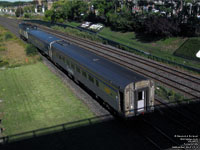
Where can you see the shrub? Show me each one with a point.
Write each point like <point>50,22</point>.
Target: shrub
<point>2,49</point>
<point>120,22</point>
<point>31,50</point>
<point>171,95</point>
<point>158,26</point>
<point>1,38</point>
<point>3,63</point>
<point>19,12</point>
<point>76,32</point>
<point>26,15</point>
<point>8,36</point>
<point>178,97</point>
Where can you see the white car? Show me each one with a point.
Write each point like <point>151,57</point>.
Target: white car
<point>155,10</point>
<point>86,24</point>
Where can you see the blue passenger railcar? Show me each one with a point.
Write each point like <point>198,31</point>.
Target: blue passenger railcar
<point>41,40</point>
<point>126,92</point>
<point>24,29</point>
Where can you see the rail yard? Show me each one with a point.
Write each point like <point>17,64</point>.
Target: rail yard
<point>159,130</point>
<point>181,81</point>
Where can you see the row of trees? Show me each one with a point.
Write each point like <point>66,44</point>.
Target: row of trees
<point>67,10</point>
<point>25,11</point>
<point>121,17</point>
<point>12,4</point>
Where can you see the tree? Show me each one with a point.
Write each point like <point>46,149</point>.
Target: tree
<point>122,21</point>
<point>75,10</point>
<point>19,12</point>
<point>158,26</point>
<point>104,7</point>
<point>56,13</point>
<point>48,15</point>
<point>71,10</point>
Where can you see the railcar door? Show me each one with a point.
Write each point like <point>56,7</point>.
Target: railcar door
<point>26,34</point>
<point>50,52</point>
<point>141,98</point>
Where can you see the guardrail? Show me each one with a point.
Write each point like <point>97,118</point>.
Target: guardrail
<point>53,129</point>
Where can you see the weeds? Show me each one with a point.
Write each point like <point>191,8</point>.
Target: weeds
<point>168,94</point>
<point>31,50</point>
<point>3,63</point>
<point>76,32</point>
<point>8,36</point>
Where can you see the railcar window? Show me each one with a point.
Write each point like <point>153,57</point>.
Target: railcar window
<point>68,62</point>
<point>78,69</point>
<point>84,74</point>
<point>141,95</point>
<point>91,78</point>
<point>97,83</point>
<point>72,65</point>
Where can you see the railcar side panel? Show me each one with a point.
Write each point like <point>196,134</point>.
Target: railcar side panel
<point>40,44</point>
<point>99,87</point>
<point>23,32</point>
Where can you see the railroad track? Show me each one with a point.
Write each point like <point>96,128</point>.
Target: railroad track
<point>177,123</point>
<point>181,81</point>
<point>169,76</point>
<point>160,128</point>
<point>187,120</point>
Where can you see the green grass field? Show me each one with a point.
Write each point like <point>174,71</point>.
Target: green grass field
<point>189,49</point>
<point>150,45</point>
<point>163,48</point>
<point>74,24</point>
<point>32,97</point>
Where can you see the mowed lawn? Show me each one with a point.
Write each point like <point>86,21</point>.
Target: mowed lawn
<point>32,98</point>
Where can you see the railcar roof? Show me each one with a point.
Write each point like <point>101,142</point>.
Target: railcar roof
<point>44,36</point>
<point>110,71</point>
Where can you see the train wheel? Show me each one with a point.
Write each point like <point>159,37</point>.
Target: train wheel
<point>76,81</point>
<point>97,97</point>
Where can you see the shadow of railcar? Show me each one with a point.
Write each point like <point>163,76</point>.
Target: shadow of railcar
<point>109,134</point>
